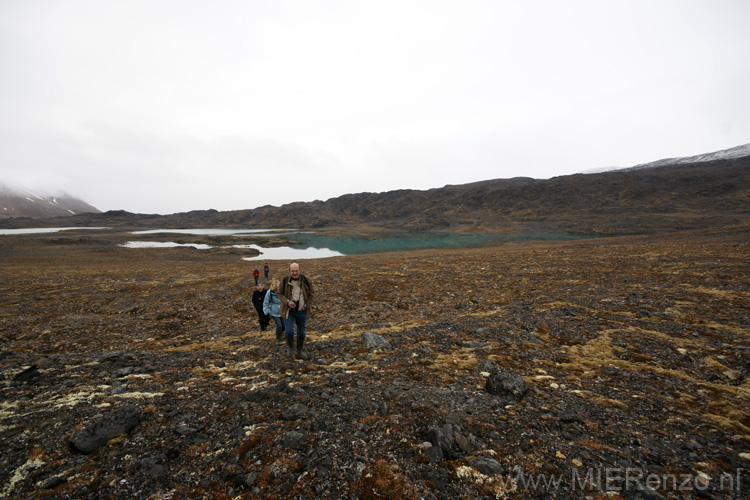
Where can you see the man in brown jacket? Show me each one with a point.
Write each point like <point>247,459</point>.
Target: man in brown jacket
<point>296,294</point>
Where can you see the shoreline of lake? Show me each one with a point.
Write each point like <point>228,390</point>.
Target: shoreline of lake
<point>303,244</point>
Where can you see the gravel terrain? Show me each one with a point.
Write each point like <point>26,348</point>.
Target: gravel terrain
<point>603,368</point>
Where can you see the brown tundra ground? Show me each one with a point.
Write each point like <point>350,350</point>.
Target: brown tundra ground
<point>631,358</point>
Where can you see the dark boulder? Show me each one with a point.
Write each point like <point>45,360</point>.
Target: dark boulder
<point>294,412</point>
<point>486,465</point>
<point>115,423</point>
<point>29,376</point>
<point>502,383</point>
<point>294,439</point>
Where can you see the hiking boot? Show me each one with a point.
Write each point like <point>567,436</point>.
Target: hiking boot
<point>290,347</point>
<point>300,353</point>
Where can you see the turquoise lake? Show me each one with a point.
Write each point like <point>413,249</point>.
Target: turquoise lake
<point>310,245</point>
<point>408,241</point>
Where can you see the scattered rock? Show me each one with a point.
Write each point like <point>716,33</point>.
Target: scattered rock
<point>664,315</point>
<point>434,454</point>
<point>440,477</point>
<point>476,345</point>
<point>294,439</point>
<point>124,372</point>
<point>54,482</point>
<point>531,337</point>
<point>186,430</point>
<point>29,376</point>
<point>374,341</point>
<point>383,409</point>
<point>245,480</point>
<point>114,423</point>
<point>505,384</point>
<point>294,412</point>
<point>156,465</point>
<point>570,417</point>
<point>442,438</point>
<point>464,444</point>
<point>119,357</point>
<point>487,466</point>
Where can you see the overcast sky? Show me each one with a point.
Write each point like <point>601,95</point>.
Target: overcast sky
<point>164,106</point>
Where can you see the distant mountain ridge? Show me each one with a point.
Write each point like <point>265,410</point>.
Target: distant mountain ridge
<point>16,202</point>
<point>709,193</point>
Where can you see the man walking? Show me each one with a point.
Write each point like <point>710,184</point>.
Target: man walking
<point>296,295</point>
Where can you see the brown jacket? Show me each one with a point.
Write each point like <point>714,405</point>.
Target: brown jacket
<point>285,293</point>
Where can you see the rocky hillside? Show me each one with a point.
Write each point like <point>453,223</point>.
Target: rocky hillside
<point>653,200</point>
<point>656,200</point>
<point>23,203</point>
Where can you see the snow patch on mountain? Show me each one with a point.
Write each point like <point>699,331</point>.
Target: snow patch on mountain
<point>600,170</point>
<point>20,202</point>
<point>724,154</point>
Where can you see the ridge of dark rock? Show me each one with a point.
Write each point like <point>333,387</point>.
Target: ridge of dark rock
<point>654,200</point>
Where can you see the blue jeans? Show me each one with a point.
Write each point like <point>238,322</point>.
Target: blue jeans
<point>298,317</point>
<point>279,326</point>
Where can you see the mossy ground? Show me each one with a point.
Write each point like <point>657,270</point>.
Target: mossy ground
<point>645,339</point>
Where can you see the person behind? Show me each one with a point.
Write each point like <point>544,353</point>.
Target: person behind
<point>256,275</point>
<point>258,296</point>
<point>271,304</point>
<point>266,269</point>
<point>296,295</point>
